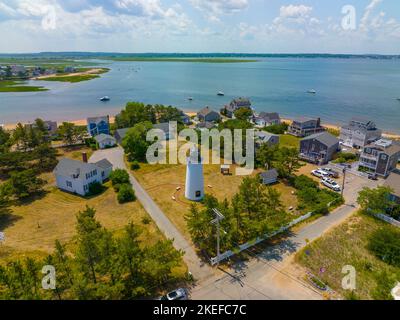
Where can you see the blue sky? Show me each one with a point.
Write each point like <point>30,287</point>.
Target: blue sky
<point>254,26</point>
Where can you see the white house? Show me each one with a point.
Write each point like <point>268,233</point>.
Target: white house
<point>76,176</point>
<point>105,141</point>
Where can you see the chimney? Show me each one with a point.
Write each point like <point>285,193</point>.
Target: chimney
<point>84,157</point>
<point>318,122</point>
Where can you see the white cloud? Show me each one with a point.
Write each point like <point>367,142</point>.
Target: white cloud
<point>214,8</point>
<point>293,11</point>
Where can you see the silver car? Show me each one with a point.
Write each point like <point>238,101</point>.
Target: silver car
<point>178,294</point>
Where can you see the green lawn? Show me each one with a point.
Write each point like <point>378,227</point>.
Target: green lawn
<point>347,245</point>
<point>289,141</point>
<point>17,86</point>
<point>77,78</point>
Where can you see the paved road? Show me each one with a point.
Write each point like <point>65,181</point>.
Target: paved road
<point>269,276</point>
<point>199,269</point>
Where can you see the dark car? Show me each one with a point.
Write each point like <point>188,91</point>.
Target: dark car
<point>332,173</point>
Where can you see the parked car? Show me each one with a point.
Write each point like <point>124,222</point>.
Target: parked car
<point>331,184</point>
<point>373,176</point>
<point>332,173</point>
<point>320,173</point>
<point>178,294</point>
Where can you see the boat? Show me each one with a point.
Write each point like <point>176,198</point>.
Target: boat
<point>312,91</point>
<point>220,93</point>
<point>105,98</point>
<point>190,98</point>
<point>398,99</point>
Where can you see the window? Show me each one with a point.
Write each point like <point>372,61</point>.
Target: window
<point>198,194</point>
<point>69,184</point>
<point>384,157</point>
<point>86,187</point>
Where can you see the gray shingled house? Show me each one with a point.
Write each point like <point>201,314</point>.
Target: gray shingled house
<point>359,132</point>
<point>208,115</point>
<point>319,148</point>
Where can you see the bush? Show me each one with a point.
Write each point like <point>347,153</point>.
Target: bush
<point>135,165</point>
<point>95,188</point>
<point>277,128</point>
<point>385,244</point>
<point>146,220</point>
<point>302,182</point>
<point>126,193</point>
<point>343,157</point>
<point>119,176</point>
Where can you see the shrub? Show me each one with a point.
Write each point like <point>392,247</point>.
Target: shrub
<point>135,165</point>
<point>95,188</point>
<point>146,220</point>
<point>385,244</point>
<point>119,176</point>
<point>302,182</point>
<point>277,128</point>
<point>126,193</point>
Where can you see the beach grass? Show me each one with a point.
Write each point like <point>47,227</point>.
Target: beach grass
<point>16,86</point>
<point>347,244</point>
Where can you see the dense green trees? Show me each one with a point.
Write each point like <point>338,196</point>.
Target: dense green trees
<point>100,266</point>
<point>23,184</point>
<point>277,128</point>
<point>255,211</point>
<point>376,201</point>
<point>135,144</point>
<point>243,114</point>
<point>135,113</point>
<point>70,133</point>
<point>121,183</point>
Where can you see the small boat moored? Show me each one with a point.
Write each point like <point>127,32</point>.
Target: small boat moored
<point>105,98</point>
<point>190,98</point>
<point>312,91</point>
<point>220,93</point>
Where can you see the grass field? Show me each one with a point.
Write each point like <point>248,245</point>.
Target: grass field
<point>287,140</point>
<point>18,86</point>
<point>32,227</point>
<point>347,245</point>
<point>162,181</point>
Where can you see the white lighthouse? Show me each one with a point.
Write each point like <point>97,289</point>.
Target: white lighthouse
<point>194,177</point>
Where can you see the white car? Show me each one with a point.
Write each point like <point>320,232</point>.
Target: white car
<point>331,184</point>
<point>319,173</point>
<point>179,294</point>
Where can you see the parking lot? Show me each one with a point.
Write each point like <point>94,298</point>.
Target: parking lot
<point>353,183</point>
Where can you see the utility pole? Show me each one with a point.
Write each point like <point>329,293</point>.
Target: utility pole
<point>218,217</point>
<point>344,180</point>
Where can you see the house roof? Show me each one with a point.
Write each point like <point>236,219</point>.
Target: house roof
<point>269,116</point>
<point>304,119</point>
<point>265,136</point>
<point>98,119</point>
<point>393,182</point>
<point>206,111</point>
<point>121,132</point>
<point>270,174</point>
<point>102,136</point>
<point>104,164</point>
<point>390,150</point>
<point>69,168</point>
<point>324,137</point>
<point>241,102</point>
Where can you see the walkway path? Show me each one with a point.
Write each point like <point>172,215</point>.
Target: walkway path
<point>200,270</point>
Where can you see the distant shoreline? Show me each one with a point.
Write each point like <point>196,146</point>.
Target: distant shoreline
<point>82,122</point>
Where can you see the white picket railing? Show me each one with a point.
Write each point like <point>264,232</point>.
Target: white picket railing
<point>250,244</point>
<point>388,219</point>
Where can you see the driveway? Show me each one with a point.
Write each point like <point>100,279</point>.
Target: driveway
<point>199,269</point>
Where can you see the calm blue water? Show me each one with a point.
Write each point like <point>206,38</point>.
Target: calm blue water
<point>346,88</point>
